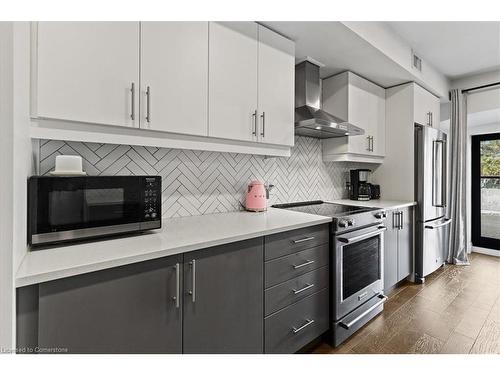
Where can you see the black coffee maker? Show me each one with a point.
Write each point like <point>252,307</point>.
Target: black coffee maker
<point>360,189</point>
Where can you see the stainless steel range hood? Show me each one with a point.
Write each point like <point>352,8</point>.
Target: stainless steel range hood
<point>310,120</point>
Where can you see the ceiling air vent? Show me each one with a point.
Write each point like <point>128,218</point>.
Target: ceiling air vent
<point>416,61</point>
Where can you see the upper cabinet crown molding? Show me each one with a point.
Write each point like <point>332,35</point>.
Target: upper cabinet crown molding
<point>362,103</point>
<point>196,83</point>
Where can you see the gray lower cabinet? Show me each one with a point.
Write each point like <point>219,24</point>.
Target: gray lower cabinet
<point>297,283</point>
<point>207,301</point>
<point>398,246</point>
<point>129,309</point>
<point>391,250</point>
<point>223,299</point>
<point>294,327</point>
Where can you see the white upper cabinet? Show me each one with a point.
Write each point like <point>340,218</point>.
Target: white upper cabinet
<point>426,107</point>
<point>361,103</point>
<point>225,86</point>
<point>233,50</point>
<point>87,72</point>
<point>251,84</point>
<point>276,88</point>
<point>174,77</point>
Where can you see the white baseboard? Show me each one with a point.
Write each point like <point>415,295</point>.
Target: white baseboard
<point>482,250</point>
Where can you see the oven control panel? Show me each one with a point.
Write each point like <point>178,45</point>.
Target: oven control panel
<point>357,221</point>
<point>152,199</point>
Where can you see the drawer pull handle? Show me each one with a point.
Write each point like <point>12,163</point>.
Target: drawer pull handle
<point>297,291</point>
<point>303,240</point>
<point>307,262</point>
<point>307,323</point>
<point>365,313</point>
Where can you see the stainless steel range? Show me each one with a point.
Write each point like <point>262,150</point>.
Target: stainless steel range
<point>357,259</point>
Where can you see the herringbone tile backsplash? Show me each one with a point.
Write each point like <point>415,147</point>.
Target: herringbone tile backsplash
<point>201,182</point>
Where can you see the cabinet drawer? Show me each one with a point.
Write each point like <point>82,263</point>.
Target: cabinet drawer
<point>288,330</point>
<point>282,295</point>
<point>290,266</point>
<point>280,244</point>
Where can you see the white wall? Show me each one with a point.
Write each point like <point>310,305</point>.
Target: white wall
<point>6,186</point>
<point>382,37</point>
<point>15,164</point>
<point>23,161</point>
<point>476,80</point>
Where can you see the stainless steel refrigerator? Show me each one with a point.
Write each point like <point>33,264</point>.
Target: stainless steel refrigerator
<point>431,191</point>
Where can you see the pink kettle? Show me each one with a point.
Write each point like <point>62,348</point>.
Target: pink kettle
<point>256,197</point>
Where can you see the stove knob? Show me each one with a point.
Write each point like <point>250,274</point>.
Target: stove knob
<point>350,222</point>
<point>380,215</point>
<point>343,223</point>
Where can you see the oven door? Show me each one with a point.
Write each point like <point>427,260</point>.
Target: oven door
<point>359,268</point>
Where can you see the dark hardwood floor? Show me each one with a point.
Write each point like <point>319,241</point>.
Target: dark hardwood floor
<point>457,310</point>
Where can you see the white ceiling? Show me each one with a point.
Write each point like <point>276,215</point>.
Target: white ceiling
<point>456,49</point>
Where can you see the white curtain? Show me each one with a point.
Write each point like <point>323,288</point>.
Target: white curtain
<point>457,245</point>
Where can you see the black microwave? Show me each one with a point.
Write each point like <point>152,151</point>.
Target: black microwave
<point>62,209</point>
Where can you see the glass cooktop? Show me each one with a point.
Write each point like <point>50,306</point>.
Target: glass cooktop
<point>324,208</point>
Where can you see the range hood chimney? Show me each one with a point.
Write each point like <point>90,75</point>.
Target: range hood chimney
<point>310,120</point>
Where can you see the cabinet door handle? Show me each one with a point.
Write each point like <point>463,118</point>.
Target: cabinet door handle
<point>254,116</point>
<point>263,116</point>
<point>148,105</point>
<point>192,292</point>
<point>368,138</point>
<point>297,291</point>
<point>177,284</point>
<point>401,220</point>
<point>306,263</point>
<point>432,119</point>
<point>307,323</point>
<point>132,100</point>
<point>371,148</point>
<point>303,240</point>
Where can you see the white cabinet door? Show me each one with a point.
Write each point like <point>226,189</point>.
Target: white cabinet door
<point>276,86</point>
<point>426,107</point>
<point>366,105</point>
<point>86,72</point>
<point>435,105</point>
<point>174,77</point>
<point>233,80</point>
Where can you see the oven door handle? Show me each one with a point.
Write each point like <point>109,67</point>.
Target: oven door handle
<point>365,313</point>
<point>362,236</point>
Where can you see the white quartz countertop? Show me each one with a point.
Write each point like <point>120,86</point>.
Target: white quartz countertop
<point>178,235</point>
<point>377,203</point>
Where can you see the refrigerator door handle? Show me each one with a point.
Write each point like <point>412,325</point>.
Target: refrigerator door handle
<point>438,173</point>
<point>444,184</point>
<point>435,226</point>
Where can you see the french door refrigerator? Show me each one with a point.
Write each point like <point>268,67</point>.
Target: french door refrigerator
<point>431,190</point>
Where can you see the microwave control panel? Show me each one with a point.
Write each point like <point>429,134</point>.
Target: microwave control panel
<point>152,199</point>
